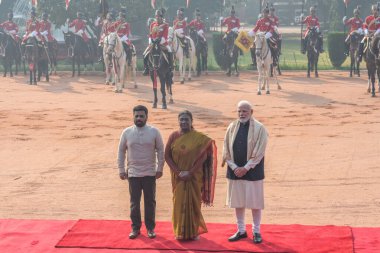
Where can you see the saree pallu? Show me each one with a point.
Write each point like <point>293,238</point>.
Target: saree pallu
<point>188,196</point>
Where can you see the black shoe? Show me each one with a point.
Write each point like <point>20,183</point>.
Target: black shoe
<point>134,234</point>
<point>146,72</point>
<point>237,236</point>
<point>257,238</point>
<point>151,234</point>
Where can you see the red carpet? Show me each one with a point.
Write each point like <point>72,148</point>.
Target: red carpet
<point>41,236</point>
<point>100,234</point>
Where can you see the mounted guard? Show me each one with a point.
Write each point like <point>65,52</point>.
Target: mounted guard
<point>80,27</point>
<point>123,30</point>
<point>32,28</point>
<point>371,28</point>
<point>233,25</point>
<point>158,30</point>
<point>45,28</point>
<point>108,26</point>
<point>266,26</point>
<point>198,25</point>
<point>180,29</point>
<point>11,27</point>
<point>276,23</point>
<point>311,21</point>
<point>355,24</point>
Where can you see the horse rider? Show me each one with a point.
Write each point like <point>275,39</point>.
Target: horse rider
<point>180,28</point>
<point>123,30</point>
<point>45,29</point>
<point>276,23</point>
<point>109,26</point>
<point>198,24</point>
<point>311,21</point>
<point>265,25</point>
<point>233,25</point>
<point>11,27</point>
<point>370,26</point>
<point>355,24</point>
<point>158,29</point>
<point>80,27</point>
<point>32,28</point>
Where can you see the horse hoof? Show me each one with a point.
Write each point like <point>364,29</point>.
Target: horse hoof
<point>259,93</point>
<point>373,95</point>
<point>279,87</point>
<point>268,92</point>
<point>171,101</point>
<point>316,75</point>
<point>369,90</point>
<point>154,105</point>
<point>164,106</point>
<point>263,88</point>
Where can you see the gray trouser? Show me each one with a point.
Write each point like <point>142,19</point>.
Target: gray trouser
<point>137,185</point>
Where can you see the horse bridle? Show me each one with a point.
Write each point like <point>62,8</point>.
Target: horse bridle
<point>261,48</point>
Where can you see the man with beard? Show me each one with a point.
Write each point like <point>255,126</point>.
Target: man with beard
<point>243,151</point>
<point>145,154</point>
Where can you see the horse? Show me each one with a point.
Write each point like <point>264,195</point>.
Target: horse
<point>78,49</point>
<point>312,49</point>
<point>278,39</point>
<point>180,55</point>
<point>264,61</point>
<point>201,49</point>
<point>372,64</point>
<point>232,53</point>
<point>355,39</point>
<point>158,65</point>
<point>31,56</point>
<point>115,60</point>
<point>9,51</point>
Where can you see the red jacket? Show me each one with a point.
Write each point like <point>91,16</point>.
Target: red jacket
<point>198,25</point>
<point>123,28</point>
<point>159,31</point>
<point>46,26</point>
<point>275,20</point>
<point>231,23</point>
<point>310,22</point>
<point>178,24</point>
<point>9,26</point>
<point>264,25</point>
<point>371,23</point>
<point>354,23</point>
<point>79,24</point>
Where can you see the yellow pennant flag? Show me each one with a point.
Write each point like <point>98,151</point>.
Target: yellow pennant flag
<point>243,41</point>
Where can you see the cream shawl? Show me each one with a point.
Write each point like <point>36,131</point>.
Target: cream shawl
<point>257,141</point>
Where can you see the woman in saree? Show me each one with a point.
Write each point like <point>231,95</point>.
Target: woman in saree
<point>191,156</point>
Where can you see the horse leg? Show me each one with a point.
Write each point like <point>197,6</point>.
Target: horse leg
<point>169,87</point>
<point>78,65</point>
<point>369,78</point>
<point>271,70</point>
<point>181,71</point>
<point>134,71</point>
<point>73,65</point>
<point>316,66</point>
<point>163,92</point>
<point>373,79</point>
<point>35,75</point>
<point>30,77</point>
<point>259,79</point>
<point>47,72</point>
<point>236,66</point>
<point>308,66</point>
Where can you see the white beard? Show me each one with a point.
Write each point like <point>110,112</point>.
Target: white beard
<point>244,120</point>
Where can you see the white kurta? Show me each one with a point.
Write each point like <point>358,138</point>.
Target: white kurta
<point>244,193</point>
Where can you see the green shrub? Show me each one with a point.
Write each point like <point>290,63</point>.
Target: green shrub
<point>336,46</point>
<point>218,47</point>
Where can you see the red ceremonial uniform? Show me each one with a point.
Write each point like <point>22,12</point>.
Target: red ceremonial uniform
<point>231,23</point>
<point>275,20</point>
<point>79,24</point>
<point>178,24</point>
<point>46,26</point>
<point>197,24</point>
<point>371,23</point>
<point>159,31</point>
<point>32,26</point>
<point>354,23</point>
<point>264,25</point>
<point>310,21</point>
<point>123,28</point>
<point>10,26</point>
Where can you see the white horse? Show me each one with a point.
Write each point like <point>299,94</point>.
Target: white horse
<point>264,61</point>
<point>180,56</point>
<point>115,61</point>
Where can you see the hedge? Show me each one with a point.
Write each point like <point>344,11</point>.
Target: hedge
<point>336,47</point>
<point>218,47</point>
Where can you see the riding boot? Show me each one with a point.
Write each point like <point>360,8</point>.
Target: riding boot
<point>100,53</point>
<point>303,42</point>
<point>273,53</point>
<point>146,68</point>
<point>347,48</point>
<point>321,50</point>
<point>361,49</point>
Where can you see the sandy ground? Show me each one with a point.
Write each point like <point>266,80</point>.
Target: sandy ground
<point>59,142</point>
